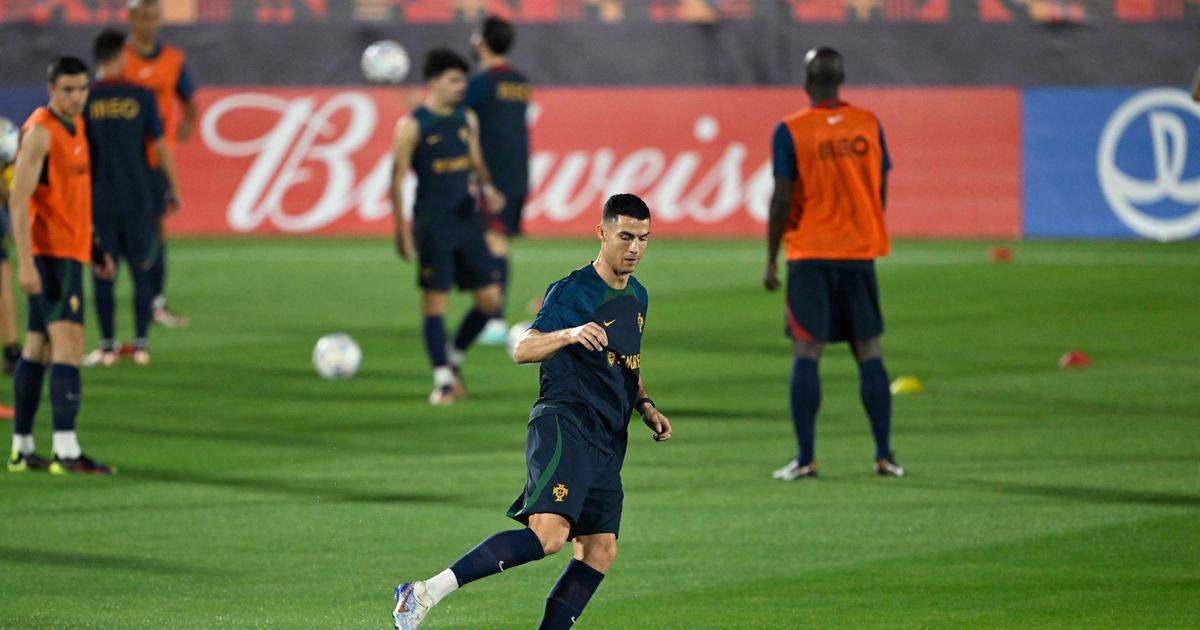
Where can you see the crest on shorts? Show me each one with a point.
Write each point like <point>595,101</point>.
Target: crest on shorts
<point>612,358</point>
<point>641,323</point>
<point>560,492</point>
<point>463,134</point>
<point>74,303</point>
<point>427,273</point>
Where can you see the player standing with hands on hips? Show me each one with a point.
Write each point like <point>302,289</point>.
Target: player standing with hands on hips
<point>831,165</point>
<point>588,338</point>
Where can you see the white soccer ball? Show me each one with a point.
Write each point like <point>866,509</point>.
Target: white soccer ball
<point>10,137</point>
<point>514,335</point>
<point>337,356</point>
<point>385,61</point>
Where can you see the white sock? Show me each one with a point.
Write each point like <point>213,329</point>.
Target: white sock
<point>441,585</point>
<point>23,444</point>
<point>66,445</point>
<point>443,376</point>
<point>159,303</point>
<point>454,355</point>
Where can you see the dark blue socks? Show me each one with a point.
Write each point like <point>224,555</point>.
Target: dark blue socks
<point>27,393</point>
<point>66,389</point>
<point>106,308</point>
<point>470,328</point>
<point>143,300</point>
<point>499,553</point>
<point>570,595</point>
<point>435,339</point>
<point>158,273</point>
<point>502,265</point>
<point>877,401</point>
<point>806,400</point>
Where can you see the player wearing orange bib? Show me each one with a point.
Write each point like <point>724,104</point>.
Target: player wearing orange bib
<point>162,69</point>
<point>831,166</point>
<point>52,228</point>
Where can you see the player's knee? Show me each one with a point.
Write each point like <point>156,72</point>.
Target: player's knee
<point>807,349</point>
<point>552,542</point>
<point>599,554</point>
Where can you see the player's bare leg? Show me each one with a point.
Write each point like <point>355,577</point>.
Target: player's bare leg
<point>488,301</point>
<point>8,319</point>
<point>874,389</point>
<point>805,391</point>
<point>28,383</point>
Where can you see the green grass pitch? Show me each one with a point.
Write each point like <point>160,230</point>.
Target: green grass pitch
<point>253,494</point>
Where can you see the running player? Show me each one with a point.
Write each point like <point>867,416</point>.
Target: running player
<point>120,119</point>
<point>499,96</point>
<point>588,338</point>
<point>831,166</point>
<point>52,229</point>
<point>440,143</point>
<point>162,69</point>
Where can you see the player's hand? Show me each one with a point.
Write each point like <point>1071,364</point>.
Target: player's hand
<point>107,271</point>
<point>589,335</point>
<point>29,279</point>
<point>404,244</point>
<point>657,423</point>
<point>174,203</point>
<point>493,199</point>
<point>184,131</point>
<point>771,277</point>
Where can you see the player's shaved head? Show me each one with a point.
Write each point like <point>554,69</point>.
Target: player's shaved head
<point>823,68</point>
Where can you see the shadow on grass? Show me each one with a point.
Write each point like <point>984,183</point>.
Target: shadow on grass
<point>1083,494</point>
<point>87,560</point>
<point>318,491</point>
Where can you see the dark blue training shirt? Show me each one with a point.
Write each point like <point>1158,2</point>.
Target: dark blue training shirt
<point>442,163</point>
<point>120,118</point>
<point>600,387</point>
<point>500,98</point>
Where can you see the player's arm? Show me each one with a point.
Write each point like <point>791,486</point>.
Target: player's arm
<point>185,89</point>
<point>35,146</point>
<point>536,346</point>
<point>493,198</point>
<point>653,418</point>
<point>404,144</point>
<point>783,159</point>
<point>167,163</point>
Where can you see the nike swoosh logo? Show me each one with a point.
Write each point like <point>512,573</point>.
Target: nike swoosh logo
<point>572,620</point>
<point>609,323</point>
<point>833,120</point>
<point>502,566</point>
<point>404,603</point>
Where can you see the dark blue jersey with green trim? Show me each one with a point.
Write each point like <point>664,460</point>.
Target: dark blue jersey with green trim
<point>442,163</point>
<point>120,118</point>
<point>599,386</point>
<point>500,98</point>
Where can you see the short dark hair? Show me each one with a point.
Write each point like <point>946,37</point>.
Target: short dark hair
<point>823,67</point>
<point>497,34</point>
<point>65,66</point>
<point>108,45</point>
<point>439,61</point>
<point>625,205</point>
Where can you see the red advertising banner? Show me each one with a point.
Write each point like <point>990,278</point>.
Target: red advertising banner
<point>316,160</point>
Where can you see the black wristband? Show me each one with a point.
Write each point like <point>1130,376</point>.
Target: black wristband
<point>639,403</point>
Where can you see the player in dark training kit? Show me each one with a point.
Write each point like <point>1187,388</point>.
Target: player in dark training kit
<point>831,166</point>
<point>499,96</point>
<point>440,143</point>
<point>120,119</point>
<point>588,338</point>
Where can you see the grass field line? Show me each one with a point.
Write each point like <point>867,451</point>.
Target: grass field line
<point>355,254</point>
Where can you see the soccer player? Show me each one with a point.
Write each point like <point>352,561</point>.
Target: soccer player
<point>52,229</point>
<point>499,96</point>
<point>162,69</point>
<point>831,165</point>
<point>440,143</point>
<point>120,119</point>
<point>588,338</point>
<point>8,311</point>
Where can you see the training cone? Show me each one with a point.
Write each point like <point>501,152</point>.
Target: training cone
<point>1000,254</point>
<point>6,412</point>
<point>907,385</point>
<point>1074,359</point>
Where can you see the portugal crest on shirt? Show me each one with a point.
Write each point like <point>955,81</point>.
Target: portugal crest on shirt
<point>641,323</point>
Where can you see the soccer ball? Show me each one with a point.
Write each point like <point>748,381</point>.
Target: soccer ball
<point>336,356</point>
<point>385,61</point>
<point>514,335</point>
<point>10,137</point>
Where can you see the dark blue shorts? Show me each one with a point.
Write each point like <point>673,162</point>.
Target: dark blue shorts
<point>830,300</point>
<point>61,299</point>
<point>132,238</point>
<point>569,476</point>
<point>449,257</point>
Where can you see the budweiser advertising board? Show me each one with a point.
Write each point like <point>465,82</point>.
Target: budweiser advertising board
<point>316,160</point>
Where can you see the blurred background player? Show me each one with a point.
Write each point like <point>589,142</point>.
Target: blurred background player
<point>831,165</point>
<point>162,69</point>
<point>8,311</point>
<point>499,96</point>
<point>588,338</point>
<point>440,143</point>
<point>121,118</point>
<point>52,229</point>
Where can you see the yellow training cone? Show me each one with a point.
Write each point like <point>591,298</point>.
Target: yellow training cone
<point>907,385</point>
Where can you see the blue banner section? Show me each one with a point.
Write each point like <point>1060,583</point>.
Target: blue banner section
<point>16,104</point>
<point>1111,163</point>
